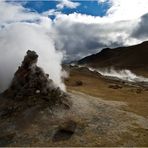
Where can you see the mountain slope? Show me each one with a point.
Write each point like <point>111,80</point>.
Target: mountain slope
<point>131,57</point>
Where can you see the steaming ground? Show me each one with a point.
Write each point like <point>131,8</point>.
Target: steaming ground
<point>106,113</point>
<point>132,100</point>
<point>93,83</point>
<point>125,74</point>
<point>101,116</point>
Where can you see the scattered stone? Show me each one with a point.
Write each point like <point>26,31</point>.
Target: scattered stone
<point>139,91</point>
<point>37,91</point>
<point>115,86</point>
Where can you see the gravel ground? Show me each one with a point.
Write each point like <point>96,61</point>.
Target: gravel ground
<point>98,123</point>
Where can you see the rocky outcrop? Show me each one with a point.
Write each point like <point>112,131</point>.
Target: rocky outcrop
<point>32,84</point>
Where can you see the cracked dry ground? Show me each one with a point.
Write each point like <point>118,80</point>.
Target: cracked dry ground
<point>97,123</point>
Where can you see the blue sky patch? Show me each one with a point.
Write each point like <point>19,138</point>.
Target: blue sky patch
<point>86,7</point>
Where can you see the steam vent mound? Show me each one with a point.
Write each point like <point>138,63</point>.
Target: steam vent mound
<point>31,86</point>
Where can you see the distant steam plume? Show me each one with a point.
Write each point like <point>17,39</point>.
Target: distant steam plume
<point>125,75</point>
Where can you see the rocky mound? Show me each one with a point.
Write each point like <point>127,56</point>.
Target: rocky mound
<point>32,86</point>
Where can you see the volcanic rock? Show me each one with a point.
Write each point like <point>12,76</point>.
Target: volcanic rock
<point>31,84</point>
<point>115,86</point>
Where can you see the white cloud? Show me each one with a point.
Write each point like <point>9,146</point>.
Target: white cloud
<point>68,4</point>
<point>12,12</point>
<point>81,35</point>
<point>127,9</point>
<point>51,12</point>
<point>102,1</point>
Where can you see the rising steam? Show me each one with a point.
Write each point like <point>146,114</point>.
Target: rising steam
<point>16,37</point>
<point>125,75</point>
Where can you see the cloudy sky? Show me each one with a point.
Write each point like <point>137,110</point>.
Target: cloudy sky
<point>80,28</point>
<point>66,30</point>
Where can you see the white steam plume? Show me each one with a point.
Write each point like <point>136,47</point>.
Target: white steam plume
<point>16,37</point>
<point>125,75</point>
